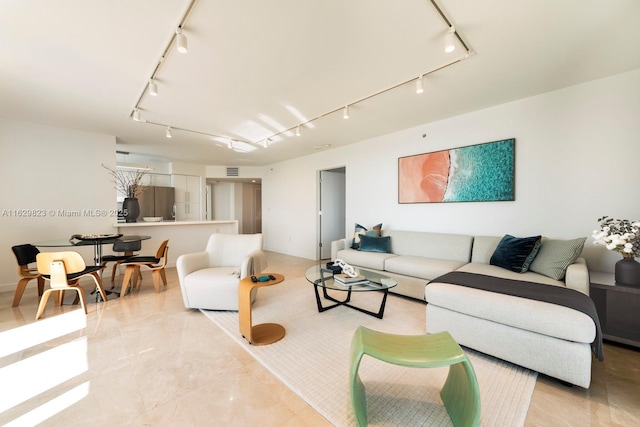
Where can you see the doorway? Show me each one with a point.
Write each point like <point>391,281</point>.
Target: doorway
<point>332,209</point>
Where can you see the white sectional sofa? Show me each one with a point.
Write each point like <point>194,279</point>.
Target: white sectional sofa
<point>548,338</point>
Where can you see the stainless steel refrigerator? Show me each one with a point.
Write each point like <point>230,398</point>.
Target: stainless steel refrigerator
<point>157,202</point>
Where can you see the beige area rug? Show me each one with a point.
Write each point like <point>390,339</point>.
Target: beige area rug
<point>313,360</point>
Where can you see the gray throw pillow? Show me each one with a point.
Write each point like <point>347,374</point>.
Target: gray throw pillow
<point>555,256</point>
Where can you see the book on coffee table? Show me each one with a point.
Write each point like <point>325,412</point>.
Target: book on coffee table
<point>343,279</point>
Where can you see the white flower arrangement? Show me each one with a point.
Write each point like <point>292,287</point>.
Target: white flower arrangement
<point>619,235</point>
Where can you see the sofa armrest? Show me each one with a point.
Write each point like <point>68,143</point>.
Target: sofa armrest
<point>253,263</point>
<point>338,245</point>
<point>577,276</point>
<point>188,263</point>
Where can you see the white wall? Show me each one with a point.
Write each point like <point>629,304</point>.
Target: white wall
<point>50,170</point>
<point>577,159</point>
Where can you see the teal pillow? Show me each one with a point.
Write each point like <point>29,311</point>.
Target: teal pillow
<point>376,231</point>
<point>375,244</point>
<point>516,253</point>
<point>555,256</point>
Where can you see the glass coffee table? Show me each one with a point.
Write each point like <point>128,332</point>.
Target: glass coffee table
<point>322,279</point>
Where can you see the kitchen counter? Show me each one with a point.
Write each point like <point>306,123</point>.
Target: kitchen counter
<point>184,236</point>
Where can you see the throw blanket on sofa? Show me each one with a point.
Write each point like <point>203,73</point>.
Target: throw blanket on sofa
<point>540,292</point>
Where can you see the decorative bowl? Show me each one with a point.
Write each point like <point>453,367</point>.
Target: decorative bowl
<point>152,218</point>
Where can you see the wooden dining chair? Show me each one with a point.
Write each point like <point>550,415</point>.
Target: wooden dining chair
<point>126,251</point>
<point>26,255</point>
<point>155,263</point>
<point>64,270</point>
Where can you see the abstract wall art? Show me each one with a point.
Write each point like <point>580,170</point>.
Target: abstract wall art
<point>476,173</point>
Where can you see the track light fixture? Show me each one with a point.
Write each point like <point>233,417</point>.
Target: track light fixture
<point>450,40</point>
<point>153,87</point>
<point>181,41</point>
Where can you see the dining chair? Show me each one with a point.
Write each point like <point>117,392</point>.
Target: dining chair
<point>155,263</point>
<point>126,249</point>
<point>26,255</point>
<point>64,271</point>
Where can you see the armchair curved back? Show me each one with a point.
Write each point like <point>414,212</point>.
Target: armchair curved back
<point>229,250</point>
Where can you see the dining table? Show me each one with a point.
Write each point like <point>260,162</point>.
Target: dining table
<point>95,240</point>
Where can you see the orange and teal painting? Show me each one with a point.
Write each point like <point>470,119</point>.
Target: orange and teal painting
<point>477,173</point>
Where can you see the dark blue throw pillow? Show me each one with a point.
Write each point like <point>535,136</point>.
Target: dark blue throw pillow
<point>375,244</point>
<point>516,253</point>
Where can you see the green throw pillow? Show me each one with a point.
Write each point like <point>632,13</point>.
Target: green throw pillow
<point>375,244</point>
<point>555,256</point>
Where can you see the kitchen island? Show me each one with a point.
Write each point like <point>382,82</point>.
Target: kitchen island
<point>184,236</point>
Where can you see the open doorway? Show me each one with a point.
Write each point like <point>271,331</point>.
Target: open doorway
<point>331,209</point>
<point>239,199</point>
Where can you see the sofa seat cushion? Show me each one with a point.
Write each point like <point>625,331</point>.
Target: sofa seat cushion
<point>530,315</point>
<point>374,260</point>
<point>424,268</point>
<point>494,270</point>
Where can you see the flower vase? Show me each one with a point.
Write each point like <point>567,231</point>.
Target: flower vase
<point>131,209</point>
<point>627,271</point>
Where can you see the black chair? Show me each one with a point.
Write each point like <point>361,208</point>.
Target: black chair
<point>25,255</point>
<point>127,250</point>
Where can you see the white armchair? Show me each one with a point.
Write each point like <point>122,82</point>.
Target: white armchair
<point>210,279</point>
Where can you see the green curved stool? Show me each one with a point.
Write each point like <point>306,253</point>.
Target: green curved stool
<point>460,393</point>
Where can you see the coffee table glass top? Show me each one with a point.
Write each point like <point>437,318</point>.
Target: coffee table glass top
<point>377,281</point>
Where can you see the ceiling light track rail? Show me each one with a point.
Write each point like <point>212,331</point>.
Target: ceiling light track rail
<point>219,138</point>
<point>135,113</point>
<point>373,95</point>
<point>172,41</point>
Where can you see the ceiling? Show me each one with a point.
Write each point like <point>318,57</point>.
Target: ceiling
<point>255,70</point>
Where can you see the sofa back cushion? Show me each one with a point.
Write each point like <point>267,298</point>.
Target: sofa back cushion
<point>483,248</point>
<point>455,247</point>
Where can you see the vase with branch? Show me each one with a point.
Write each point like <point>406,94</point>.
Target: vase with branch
<point>129,183</point>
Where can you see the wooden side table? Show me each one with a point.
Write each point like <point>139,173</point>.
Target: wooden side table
<point>266,333</point>
<point>618,308</point>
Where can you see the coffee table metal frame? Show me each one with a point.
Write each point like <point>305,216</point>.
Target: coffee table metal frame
<point>378,282</point>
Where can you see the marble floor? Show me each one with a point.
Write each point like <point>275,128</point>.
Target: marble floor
<point>145,360</point>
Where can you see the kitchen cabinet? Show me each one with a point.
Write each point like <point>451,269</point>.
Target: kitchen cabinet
<point>188,197</point>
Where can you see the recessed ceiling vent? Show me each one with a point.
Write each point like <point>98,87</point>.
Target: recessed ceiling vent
<point>232,171</point>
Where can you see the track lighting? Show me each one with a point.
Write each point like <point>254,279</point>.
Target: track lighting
<point>419,85</point>
<point>153,88</point>
<point>181,41</point>
<point>298,131</point>
<point>345,112</point>
<point>168,133</point>
<point>450,40</point>
<point>136,115</point>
